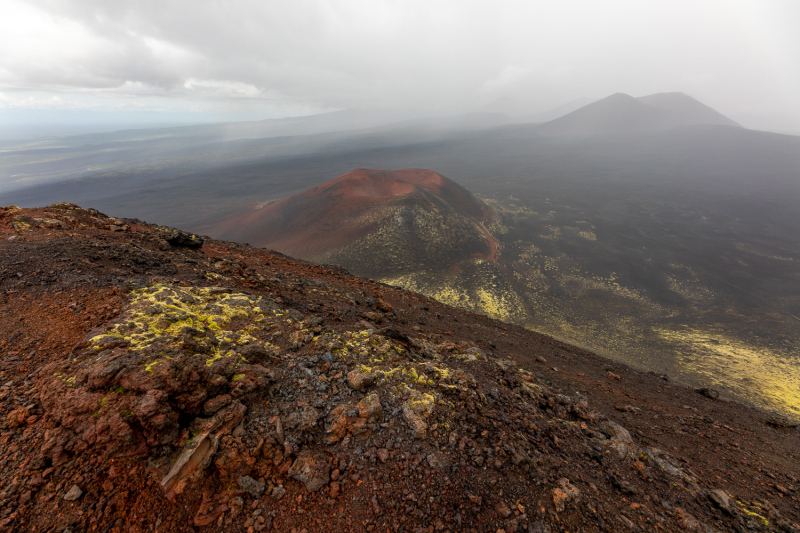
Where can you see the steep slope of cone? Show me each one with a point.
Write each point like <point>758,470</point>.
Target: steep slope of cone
<point>372,222</point>
<point>686,110</point>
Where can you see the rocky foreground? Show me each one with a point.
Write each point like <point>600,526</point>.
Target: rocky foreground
<point>156,381</point>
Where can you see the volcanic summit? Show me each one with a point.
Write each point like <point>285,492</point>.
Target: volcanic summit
<point>373,222</point>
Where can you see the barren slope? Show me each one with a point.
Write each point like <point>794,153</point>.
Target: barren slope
<point>152,381</point>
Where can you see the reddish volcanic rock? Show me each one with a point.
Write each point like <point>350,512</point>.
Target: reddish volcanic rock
<point>412,218</point>
<point>147,386</point>
<point>380,184</point>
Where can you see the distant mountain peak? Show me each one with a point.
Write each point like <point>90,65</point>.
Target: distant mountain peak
<point>622,113</point>
<point>619,96</point>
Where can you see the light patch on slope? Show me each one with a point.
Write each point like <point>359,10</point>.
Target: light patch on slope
<point>765,376</point>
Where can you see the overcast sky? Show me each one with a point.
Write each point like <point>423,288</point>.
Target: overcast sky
<point>252,59</point>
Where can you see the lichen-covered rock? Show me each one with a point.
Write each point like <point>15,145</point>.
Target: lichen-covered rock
<point>415,412</point>
<point>177,237</point>
<point>360,380</point>
<point>721,500</point>
<point>128,386</point>
<point>665,461</point>
<point>619,439</point>
<point>370,407</point>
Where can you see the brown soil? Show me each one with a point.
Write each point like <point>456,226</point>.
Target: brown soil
<point>444,421</point>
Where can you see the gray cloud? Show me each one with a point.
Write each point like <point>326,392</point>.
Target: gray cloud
<point>742,57</point>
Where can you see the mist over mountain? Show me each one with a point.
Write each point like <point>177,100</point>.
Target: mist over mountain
<point>686,109</point>
<point>621,113</point>
<point>554,113</point>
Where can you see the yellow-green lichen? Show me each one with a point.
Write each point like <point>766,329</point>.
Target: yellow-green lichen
<point>164,311</point>
<point>217,354</point>
<point>406,372</point>
<point>161,318</point>
<point>752,514</point>
<point>20,226</point>
<point>421,403</point>
<point>359,345</point>
<point>471,354</point>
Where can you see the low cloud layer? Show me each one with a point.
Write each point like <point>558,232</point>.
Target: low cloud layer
<point>282,58</point>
